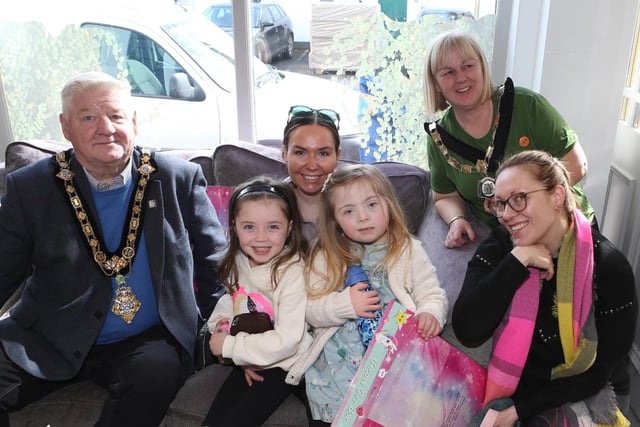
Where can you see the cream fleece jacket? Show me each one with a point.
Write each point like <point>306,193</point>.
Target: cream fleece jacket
<point>289,339</point>
<point>413,282</point>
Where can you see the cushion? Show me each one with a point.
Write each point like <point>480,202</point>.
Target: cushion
<point>3,180</point>
<point>201,157</point>
<point>235,163</point>
<point>412,186</point>
<point>22,153</point>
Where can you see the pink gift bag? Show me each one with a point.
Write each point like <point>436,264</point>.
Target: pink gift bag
<point>406,380</point>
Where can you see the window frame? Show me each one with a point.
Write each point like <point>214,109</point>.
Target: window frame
<point>630,109</point>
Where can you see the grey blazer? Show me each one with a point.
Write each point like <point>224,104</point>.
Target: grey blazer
<point>66,296</point>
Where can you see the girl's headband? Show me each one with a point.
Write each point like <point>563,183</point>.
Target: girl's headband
<point>260,188</point>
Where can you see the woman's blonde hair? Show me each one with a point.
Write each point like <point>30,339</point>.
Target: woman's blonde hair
<point>335,246</point>
<point>465,46</point>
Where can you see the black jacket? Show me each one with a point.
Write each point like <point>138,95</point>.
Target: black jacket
<point>66,296</point>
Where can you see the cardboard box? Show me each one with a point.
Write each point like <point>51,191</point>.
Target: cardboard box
<point>328,20</point>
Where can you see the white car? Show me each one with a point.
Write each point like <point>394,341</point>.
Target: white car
<point>182,72</point>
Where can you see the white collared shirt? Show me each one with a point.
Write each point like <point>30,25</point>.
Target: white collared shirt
<point>119,181</point>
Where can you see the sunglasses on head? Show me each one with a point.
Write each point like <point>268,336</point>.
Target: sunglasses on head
<point>304,111</point>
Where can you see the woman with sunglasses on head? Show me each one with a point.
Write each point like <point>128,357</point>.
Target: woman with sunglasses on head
<point>480,124</point>
<point>556,296</point>
<point>311,150</point>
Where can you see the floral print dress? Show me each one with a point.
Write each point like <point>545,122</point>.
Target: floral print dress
<point>327,380</point>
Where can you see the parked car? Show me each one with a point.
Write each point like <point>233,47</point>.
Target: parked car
<point>182,70</point>
<point>272,29</point>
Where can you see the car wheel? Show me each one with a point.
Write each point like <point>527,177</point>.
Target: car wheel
<point>288,52</point>
<point>262,52</point>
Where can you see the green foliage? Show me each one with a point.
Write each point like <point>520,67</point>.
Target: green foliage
<point>392,58</point>
<point>34,66</point>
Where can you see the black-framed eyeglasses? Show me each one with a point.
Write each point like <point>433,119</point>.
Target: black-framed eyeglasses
<point>517,202</point>
<point>304,111</point>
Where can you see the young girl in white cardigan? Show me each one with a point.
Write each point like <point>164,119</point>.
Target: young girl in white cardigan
<point>361,223</point>
<point>263,273</point>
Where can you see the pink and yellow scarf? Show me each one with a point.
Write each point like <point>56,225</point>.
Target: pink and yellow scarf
<point>578,336</point>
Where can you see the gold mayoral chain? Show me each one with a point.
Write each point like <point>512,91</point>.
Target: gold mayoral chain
<point>125,303</point>
<point>486,185</point>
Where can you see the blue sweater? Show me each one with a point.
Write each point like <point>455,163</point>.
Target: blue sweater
<point>112,206</point>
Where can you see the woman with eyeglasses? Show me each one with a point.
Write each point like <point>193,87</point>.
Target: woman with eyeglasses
<point>556,296</point>
<point>480,124</point>
<point>311,150</point>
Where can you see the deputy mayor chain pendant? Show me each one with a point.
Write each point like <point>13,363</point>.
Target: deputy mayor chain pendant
<point>486,187</point>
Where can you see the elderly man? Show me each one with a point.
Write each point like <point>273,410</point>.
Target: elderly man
<point>108,240</point>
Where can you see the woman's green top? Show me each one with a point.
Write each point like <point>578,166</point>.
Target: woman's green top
<point>535,125</point>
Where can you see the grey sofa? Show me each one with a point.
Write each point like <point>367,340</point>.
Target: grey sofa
<point>79,405</point>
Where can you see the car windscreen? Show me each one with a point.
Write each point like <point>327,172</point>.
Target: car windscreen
<point>221,16</point>
<point>212,49</point>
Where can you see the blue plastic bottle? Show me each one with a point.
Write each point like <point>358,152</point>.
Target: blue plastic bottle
<point>367,327</point>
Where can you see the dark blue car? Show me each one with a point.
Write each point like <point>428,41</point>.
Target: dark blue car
<point>272,29</point>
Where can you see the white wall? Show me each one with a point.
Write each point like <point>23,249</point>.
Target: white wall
<point>300,13</point>
<point>591,60</point>
<point>623,218</point>
<point>574,52</point>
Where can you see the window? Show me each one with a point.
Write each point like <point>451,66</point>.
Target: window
<point>165,46</point>
<point>386,58</point>
<point>630,112</point>
<point>136,56</point>
<point>221,16</point>
<point>255,17</point>
<point>266,16</point>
